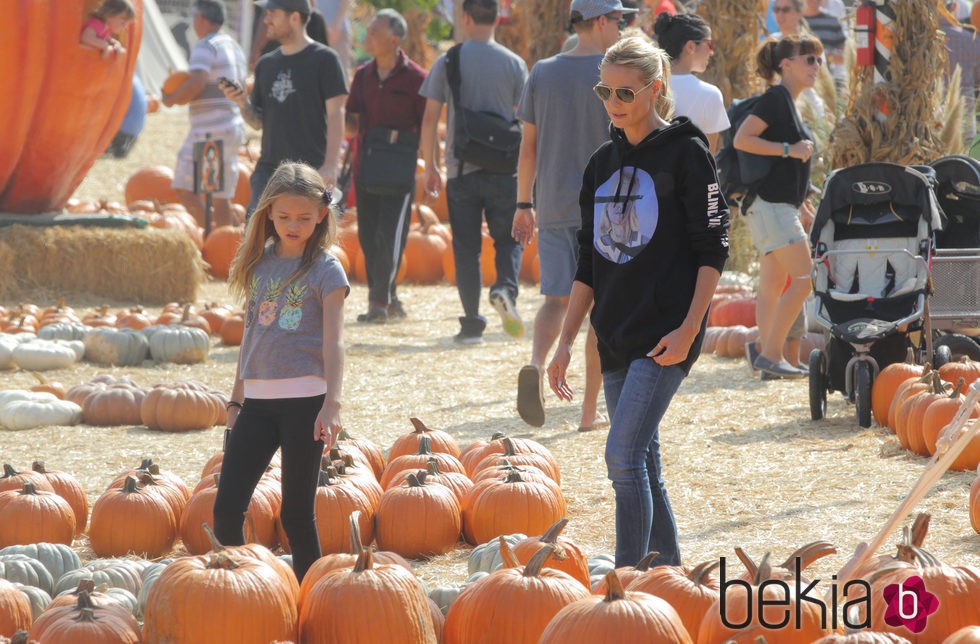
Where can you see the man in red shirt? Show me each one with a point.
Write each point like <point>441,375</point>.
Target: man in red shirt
<point>384,99</point>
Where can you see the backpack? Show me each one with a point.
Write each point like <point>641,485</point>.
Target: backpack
<point>483,139</point>
<point>739,174</point>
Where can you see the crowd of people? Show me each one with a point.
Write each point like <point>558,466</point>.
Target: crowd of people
<point>604,151</point>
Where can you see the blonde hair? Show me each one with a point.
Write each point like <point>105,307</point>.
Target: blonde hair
<point>296,179</point>
<point>652,63</point>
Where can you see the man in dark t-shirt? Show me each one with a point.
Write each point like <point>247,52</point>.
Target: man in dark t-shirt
<point>298,98</point>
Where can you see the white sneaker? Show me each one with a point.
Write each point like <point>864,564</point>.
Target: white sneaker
<point>513,325</point>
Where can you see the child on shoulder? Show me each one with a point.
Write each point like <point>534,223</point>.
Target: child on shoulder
<point>291,362</point>
<point>105,23</point>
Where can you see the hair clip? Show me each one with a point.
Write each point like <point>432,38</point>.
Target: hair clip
<point>327,197</point>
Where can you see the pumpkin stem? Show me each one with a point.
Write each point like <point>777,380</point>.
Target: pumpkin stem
<point>84,600</point>
<point>432,467</point>
<point>416,480</point>
<point>513,477</point>
<point>920,528</point>
<point>129,485</point>
<point>647,562</point>
<point>86,585</point>
<point>507,554</point>
<point>424,446</point>
<point>38,466</point>
<point>356,546</point>
<point>750,566</point>
<point>20,637</point>
<point>419,426</point>
<point>41,380</point>
<point>508,446</point>
<point>614,587</point>
<point>496,436</point>
<point>365,561</point>
<point>344,435</point>
<point>701,572</point>
<point>809,553</point>
<point>551,536</point>
<point>222,560</point>
<point>533,567</point>
<point>8,470</point>
<point>764,572</point>
<point>28,489</point>
<point>215,544</point>
<point>958,389</point>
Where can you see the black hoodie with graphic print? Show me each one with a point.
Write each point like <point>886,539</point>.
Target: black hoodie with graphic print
<point>652,215</point>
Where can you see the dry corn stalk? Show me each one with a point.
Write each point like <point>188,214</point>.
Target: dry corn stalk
<point>735,32</point>
<point>915,97</point>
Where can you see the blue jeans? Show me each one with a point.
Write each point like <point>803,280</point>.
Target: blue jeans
<point>471,197</point>
<point>637,398</point>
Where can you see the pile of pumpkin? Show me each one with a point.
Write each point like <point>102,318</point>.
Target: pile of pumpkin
<point>522,590</point>
<point>917,402</point>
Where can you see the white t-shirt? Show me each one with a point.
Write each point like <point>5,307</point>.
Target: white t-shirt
<point>699,101</point>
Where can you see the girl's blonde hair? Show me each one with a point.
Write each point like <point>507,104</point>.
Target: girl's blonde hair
<point>296,179</point>
<point>652,63</point>
<point>111,8</point>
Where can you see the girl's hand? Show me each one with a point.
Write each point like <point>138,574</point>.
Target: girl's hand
<point>557,370</point>
<point>673,347</point>
<point>327,426</point>
<point>231,416</point>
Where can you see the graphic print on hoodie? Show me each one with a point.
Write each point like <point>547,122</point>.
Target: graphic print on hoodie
<point>625,221</point>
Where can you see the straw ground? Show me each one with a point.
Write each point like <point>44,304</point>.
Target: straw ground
<point>744,464</point>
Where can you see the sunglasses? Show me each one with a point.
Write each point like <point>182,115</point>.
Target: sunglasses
<point>810,59</point>
<point>707,41</point>
<point>782,9</point>
<point>624,94</point>
<point>622,21</point>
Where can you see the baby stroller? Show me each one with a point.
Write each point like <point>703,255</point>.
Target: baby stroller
<point>872,242</point>
<point>954,308</point>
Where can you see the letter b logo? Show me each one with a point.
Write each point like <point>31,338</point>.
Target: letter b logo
<point>909,604</point>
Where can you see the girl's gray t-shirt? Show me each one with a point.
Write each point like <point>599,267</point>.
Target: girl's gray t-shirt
<point>284,321</point>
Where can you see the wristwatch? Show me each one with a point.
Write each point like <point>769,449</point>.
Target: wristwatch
<point>785,149</point>
<point>524,205</point>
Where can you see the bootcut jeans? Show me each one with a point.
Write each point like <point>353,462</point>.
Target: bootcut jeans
<point>637,398</point>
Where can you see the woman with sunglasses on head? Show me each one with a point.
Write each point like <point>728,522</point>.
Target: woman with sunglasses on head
<point>653,242</point>
<point>775,129</point>
<point>686,38</point>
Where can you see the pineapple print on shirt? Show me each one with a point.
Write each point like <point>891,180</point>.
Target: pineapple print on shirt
<point>253,292</point>
<point>292,312</point>
<point>267,310</point>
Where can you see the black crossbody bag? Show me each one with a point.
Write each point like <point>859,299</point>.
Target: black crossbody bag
<point>388,157</point>
<point>484,139</point>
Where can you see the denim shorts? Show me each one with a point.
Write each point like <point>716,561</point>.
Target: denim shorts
<point>774,225</point>
<point>558,260</point>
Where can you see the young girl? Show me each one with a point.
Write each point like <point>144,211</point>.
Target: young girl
<point>290,366</point>
<point>650,299</point>
<point>108,20</point>
<point>686,38</point>
<point>775,129</point>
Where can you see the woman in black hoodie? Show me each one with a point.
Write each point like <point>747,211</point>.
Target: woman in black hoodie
<point>653,242</point>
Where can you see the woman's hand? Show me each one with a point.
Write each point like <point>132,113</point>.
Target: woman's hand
<point>807,214</point>
<point>327,426</point>
<point>801,150</point>
<point>556,372</point>
<point>231,416</point>
<point>673,347</point>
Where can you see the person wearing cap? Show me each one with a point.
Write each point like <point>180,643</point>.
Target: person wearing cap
<point>297,100</point>
<point>549,172</point>
<point>214,56</point>
<point>492,80</point>
<point>385,94</point>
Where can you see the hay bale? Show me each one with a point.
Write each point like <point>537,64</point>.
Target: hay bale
<point>150,266</point>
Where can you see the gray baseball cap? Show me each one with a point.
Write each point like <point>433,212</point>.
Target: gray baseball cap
<point>594,8</point>
<point>302,6</point>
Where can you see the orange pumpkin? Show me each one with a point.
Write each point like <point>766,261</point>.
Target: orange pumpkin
<point>423,253</point>
<point>735,311</point>
<point>967,634</point>
<point>439,441</point>
<point>70,489</point>
<point>243,188</point>
<point>964,368</point>
<point>565,555</point>
<point>173,82</point>
<point>15,609</point>
<point>530,263</point>
<point>232,329</point>
<point>691,591</point>
<point>220,248</point>
<point>151,183</point>
<point>342,257</point>
<point>975,504</point>
<point>886,385</point>
<point>70,103</point>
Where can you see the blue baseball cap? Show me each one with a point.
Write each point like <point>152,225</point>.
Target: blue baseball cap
<point>590,9</point>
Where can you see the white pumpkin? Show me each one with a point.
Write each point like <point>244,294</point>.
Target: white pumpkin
<point>42,355</point>
<point>39,410</point>
<point>180,344</point>
<point>63,331</point>
<point>123,347</point>
<point>9,342</point>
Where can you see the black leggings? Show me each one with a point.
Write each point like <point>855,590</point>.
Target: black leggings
<point>261,427</point>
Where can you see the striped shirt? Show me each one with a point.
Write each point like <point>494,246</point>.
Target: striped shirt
<point>219,55</point>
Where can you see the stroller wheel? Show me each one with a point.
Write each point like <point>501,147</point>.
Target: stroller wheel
<point>818,384</point>
<point>959,345</point>
<point>941,355</point>
<point>862,393</point>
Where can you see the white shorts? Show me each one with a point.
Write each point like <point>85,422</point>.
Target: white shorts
<point>184,172</point>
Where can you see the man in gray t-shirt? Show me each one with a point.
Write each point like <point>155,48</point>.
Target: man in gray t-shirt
<point>492,80</point>
<point>564,122</point>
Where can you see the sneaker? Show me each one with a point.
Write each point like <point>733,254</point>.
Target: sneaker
<point>375,315</point>
<point>467,338</point>
<point>530,397</point>
<point>781,369</point>
<point>513,325</point>
<point>751,354</point>
<point>396,310</point>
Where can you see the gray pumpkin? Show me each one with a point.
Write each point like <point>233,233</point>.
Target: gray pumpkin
<point>64,331</point>
<point>119,595</point>
<point>116,573</point>
<point>37,598</point>
<point>122,347</point>
<point>150,574</point>
<point>179,344</point>
<point>486,556</point>
<point>57,558</point>
<point>25,570</point>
